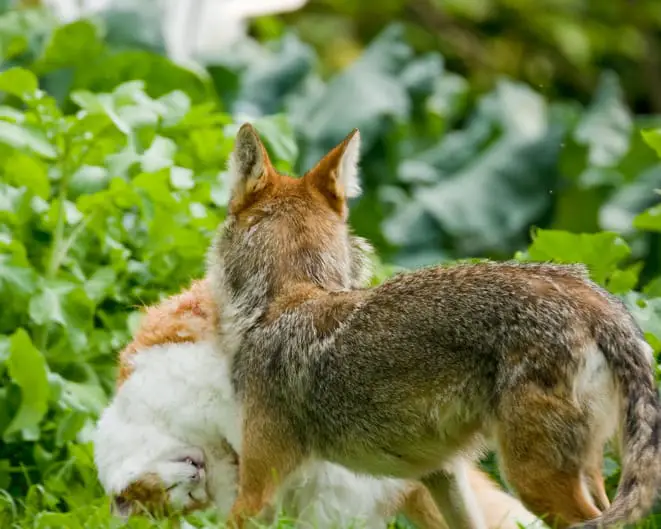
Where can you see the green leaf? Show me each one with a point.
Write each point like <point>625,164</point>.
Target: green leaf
<point>19,82</point>
<point>26,137</point>
<point>607,125</point>
<point>63,303</point>
<point>23,170</point>
<point>88,179</point>
<point>69,426</point>
<point>159,155</point>
<point>653,139</point>
<point>364,96</point>
<point>649,220</point>
<point>72,44</point>
<point>100,284</point>
<point>27,369</point>
<point>46,306</point>
<point>158,74</point>
<point>181,178</point>
<point>601,252</point>
<point>485,199</point>
<point>647,313</point>
<point>16,278</point>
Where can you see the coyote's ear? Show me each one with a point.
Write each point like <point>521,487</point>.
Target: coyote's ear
<point>336,175</point>
<point>249,167</point>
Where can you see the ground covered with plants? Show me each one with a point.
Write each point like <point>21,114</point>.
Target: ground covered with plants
<point>112,181</point>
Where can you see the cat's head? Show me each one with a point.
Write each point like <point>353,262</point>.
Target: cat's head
<point>177,484</point>
<point>144,469</point>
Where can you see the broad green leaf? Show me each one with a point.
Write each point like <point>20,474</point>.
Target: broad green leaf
<point>267,79</point>
<point>601,252</point>
<point>23,170</point>
<point>365,95</point>
<point>607,125</point>
<point>84,397</point>
<point>181,178</point>
<point>88,101</point>
<point>647,313</point>
<point>176,105</point>
<point>649,220</point>
<point>100,284</point>
<point>46,306</point>
<point>619,212</point>
<point>11,114</point>
<point>159,155</point>
<point>26,137</point>
<point>653,139</point>
<point>157,73</point>
<point>18,82</point>
<point>63,303</point>
<point>74,44</point>
<point>27,369</point>
<point>16,278</point>
<point>88,179</point>
<point>68,427</point>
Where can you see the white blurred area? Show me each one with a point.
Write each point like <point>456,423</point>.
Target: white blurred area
<point>191,28</point>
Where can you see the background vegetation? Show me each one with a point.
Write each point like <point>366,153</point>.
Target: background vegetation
<point>492,128</point>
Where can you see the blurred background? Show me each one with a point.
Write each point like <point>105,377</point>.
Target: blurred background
<point>481,118</point>
<point>491,128</point>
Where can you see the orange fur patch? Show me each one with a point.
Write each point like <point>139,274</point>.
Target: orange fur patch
<point>186,317</point>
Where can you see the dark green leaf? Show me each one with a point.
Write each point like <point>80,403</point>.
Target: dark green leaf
<point>27,369</point>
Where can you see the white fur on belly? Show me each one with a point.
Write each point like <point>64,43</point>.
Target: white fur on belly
<point>325,495</point>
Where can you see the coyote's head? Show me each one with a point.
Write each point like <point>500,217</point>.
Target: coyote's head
<point>285,234</point>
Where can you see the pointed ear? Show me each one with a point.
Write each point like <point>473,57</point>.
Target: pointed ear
<point>249,166</point>
<point>336,175</point>
<point>121,507</point>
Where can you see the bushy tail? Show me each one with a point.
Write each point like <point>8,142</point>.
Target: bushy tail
<point>629,357</point>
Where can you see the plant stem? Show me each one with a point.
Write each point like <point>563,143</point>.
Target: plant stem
<point>54,259</point>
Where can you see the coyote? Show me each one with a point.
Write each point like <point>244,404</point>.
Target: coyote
<point>410,378</point>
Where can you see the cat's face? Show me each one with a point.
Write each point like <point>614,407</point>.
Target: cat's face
<point>174,485</point>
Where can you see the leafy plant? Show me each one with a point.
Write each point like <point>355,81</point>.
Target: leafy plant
<point>112,181</point>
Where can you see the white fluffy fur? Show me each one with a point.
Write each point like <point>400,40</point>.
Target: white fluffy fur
<point>178,403</point>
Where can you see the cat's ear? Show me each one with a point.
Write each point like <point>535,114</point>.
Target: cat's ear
<point>249,167</point>
<point>336,174</point>
<point>121,507</point>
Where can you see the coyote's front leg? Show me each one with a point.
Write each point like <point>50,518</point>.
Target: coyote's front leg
<point>268,456</point>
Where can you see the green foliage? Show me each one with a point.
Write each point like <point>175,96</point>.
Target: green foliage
<point>112,182</point>
<point>559,47</point>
